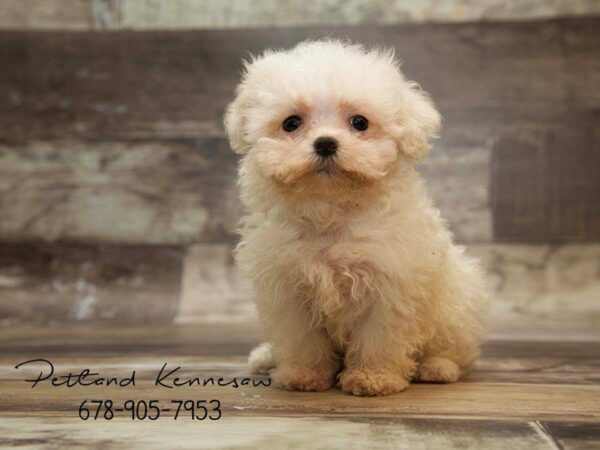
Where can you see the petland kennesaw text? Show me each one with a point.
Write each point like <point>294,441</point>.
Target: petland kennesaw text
<point>166,377</point>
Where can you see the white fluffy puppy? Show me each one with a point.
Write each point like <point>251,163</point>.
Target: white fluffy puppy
<point>355,273</point>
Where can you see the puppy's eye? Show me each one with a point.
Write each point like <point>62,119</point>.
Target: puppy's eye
<point>291,123</point>
<point>359,123</point>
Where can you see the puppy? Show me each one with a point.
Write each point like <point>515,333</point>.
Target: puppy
<point>356,277</point>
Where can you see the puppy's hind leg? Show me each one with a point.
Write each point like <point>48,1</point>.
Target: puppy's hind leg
<point>438,369</point>
<point>261,359</point>
<point>446,358</point>
<point>454,346</point>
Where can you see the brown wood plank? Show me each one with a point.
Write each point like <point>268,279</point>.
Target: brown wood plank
<point>52,284</point>
<point>481,400</point>
<point>177,83</point>
<point>509,371</point>
<point>545,186</point>
<point>219,347</point>
<point>136,192</point>
<point>103,339</point>
<point>473,413</point>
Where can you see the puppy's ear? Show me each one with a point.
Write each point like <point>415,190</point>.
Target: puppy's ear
<point>417,122</point>
<point>234,120</point>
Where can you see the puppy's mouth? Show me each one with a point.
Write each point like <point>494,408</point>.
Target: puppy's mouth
<point>326,166</point>
<point>329,168</point>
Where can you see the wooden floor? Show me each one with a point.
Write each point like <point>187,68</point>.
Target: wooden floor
<point>533,390</point>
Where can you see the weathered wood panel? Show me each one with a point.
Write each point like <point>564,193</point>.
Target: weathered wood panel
<point>545,186</point>
<point>244,432</point>
<point>479,412</point>
<point>213,289</point>
<point>111,88</point>
<point>164,192</point>
<point>186,14</point>
<point>574,436</point>
<point>205,349</point>
<point>458,178</point>
<point>543,283</point>
<point>176,191</point>
<point>529,283</point>
<point>52,284</point>
<point>44,14</point>
<point>485,77</point>
<point>98,90</point>
<point>122,342</point>
<point>148,14</point>
<point>115,351</point>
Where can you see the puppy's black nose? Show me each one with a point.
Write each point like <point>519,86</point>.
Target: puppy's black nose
<point>325,146</point>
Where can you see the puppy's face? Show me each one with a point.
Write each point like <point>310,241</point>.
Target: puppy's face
<point>328,115</point>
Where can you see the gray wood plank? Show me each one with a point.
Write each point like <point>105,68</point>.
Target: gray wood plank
<point>574,436</point>
<point>545,186</point>
<point>177,191</point>
<point>53,284</point>
<point>206,14</point>
<point>136,192</point>
<point>268,432</point>
<point>47,14</point>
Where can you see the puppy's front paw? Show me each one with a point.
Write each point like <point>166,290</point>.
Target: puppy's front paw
<point>302,379</point>
<point>371,383</point>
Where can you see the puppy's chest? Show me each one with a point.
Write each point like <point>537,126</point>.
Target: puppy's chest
<point>338,280</point>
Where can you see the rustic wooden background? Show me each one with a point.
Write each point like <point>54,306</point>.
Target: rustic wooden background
<point>117,193</point>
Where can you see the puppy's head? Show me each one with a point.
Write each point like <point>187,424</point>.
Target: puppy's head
<point>328,114</point>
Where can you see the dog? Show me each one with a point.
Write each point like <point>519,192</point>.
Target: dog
<point>356,278</point>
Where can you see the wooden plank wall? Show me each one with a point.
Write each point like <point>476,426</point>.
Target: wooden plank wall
<point>115,139</point>
<point>53,283</point>
<point>77,101</point>
<point>219,14</point>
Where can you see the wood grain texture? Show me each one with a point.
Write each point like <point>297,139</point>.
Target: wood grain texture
<point>542,283</point>
<point>177,191</point>
<point>175,14</point>
<point>457,177</point>
<point>95,91</point>
<point>545,186</point>
<point>480,411</point>
<point>574,436</point>
<point>206,14</point>
<point>177,83</point>
<point>149,192</point>
<point>251,432</point>
<point>53,14</point>
<point>53,284</point>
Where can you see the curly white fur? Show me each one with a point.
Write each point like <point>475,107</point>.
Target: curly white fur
<point>355,272</point>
